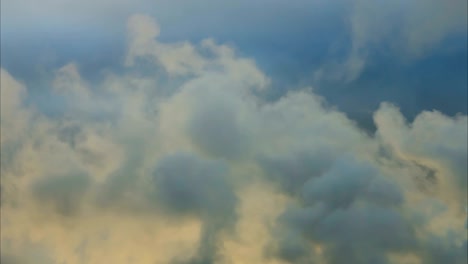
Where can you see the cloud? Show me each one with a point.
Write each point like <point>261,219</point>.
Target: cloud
<point>187,185</point>
<point>13,95</point>
<point>356,53</point>
<point>407,30</point>
<point>432,140</point>
<point>351,208</point>
<point>178,158</point>
<point>64,192</point>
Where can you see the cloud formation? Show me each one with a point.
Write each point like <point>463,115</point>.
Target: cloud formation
<point>179,159</point>
<point>407,30</point>
<point>357,53</point>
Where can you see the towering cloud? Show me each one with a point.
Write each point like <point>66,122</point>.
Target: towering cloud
<point>177,158</point>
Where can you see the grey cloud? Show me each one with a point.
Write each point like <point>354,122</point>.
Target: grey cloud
<point>367,227</point>
<point>440,250</point>
<point>291,247</point>
<point>359,215</point>
<point>350,210</point>
<point>70,134</point>
<point>186,184</point>
<point>125,181</point>
<point>358,234</point>
<point>214,127</point>
<point>292,171</point>
<point>346,181</point>
<point>428,180</point>
<point>337,188</point>
<point>384,192</point>
<point>8,150</point>
<point>65,193</point>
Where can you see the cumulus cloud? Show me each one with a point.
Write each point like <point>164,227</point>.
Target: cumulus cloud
<point>351,208</point>
<point>179,159</point>
<point>187,185</point>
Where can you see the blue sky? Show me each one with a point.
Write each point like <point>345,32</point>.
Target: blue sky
<point>289,41</point>
<point>241,131</point>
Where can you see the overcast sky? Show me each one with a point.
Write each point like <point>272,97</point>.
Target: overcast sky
<point>209,132</point>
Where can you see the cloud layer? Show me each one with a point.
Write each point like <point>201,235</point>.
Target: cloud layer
<point>179,159</point>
